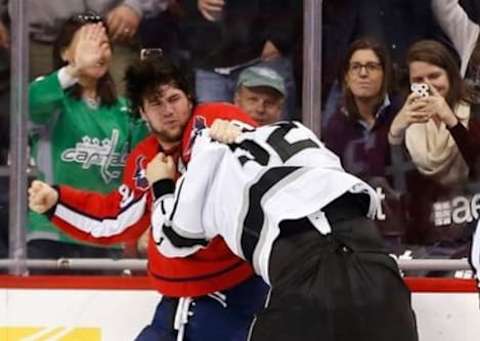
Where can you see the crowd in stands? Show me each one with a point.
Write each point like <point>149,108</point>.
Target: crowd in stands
<point>420,153</point>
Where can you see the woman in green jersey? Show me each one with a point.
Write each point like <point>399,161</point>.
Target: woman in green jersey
<point>81,130</point>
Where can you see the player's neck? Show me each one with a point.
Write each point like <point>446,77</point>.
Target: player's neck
<point>166,145</point>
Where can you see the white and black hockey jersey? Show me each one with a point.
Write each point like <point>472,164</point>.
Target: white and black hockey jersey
<point>244,190</point>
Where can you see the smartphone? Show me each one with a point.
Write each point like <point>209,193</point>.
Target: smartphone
<point>421,89</point>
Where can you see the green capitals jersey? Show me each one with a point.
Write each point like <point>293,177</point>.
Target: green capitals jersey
<point>77,144</point>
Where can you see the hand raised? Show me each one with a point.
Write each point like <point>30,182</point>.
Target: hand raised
<point>413,111</point>
<point>161,167</point>
<point>92,46</point>
<point>41,197</point>
<point>224,131</point>
<point>438,106</point>
<point>123,23</point>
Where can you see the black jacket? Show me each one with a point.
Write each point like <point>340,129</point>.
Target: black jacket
<point>240,35</point>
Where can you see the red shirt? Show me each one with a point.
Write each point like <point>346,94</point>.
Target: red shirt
<point>125,214</point>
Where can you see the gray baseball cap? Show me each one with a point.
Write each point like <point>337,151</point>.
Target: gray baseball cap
<point>261,76</point>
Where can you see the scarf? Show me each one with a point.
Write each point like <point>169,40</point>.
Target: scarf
<point>434,151</point>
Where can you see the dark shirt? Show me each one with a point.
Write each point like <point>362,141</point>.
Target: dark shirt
<point>240,35</point>
<point>394,23</point>
<point>468,141</point>
<point>364,151</point>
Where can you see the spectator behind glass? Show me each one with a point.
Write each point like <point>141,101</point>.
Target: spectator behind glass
<point>82,130</point>
<point>46,18</point>
<point>261,93</point>
<point>440,133</point>
<point>396,24</point>
<point>225,37</point>
<point>201,284</point>
<point>357,131</point>
<point>464,33</point>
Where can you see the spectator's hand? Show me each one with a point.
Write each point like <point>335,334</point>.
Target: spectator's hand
<point>211,9</point>
<point>123,22</point>
<point>41,197</point>
<point>4,36</point>
<point>270,52</point>
<point>224,131</point>
<point>91,48</point>
<point>413,111</point>
<point>439,107</point>
<point>161,167</point>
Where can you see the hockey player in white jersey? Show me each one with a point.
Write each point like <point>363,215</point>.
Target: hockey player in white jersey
<point>282,201</point>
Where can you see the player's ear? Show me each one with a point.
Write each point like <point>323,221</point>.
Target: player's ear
<point>142,113</point>
<point>236,98</point>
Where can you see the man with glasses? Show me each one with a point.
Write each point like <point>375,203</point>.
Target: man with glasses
<point>211,295</point>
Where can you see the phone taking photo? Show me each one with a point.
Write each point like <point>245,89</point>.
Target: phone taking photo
<point>421,89</point>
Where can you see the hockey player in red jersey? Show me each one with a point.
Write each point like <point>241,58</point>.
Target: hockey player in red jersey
<point>214,287</point>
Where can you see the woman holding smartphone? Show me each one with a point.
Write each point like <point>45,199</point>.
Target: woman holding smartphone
<point>439,129</point>
<point>440,132</point>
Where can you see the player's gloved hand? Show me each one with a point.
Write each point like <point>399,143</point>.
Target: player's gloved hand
<point>41,196</point>
<point>161,167</point>
<point>224,131</point>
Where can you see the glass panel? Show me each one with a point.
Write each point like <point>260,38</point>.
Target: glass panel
<point>424,171</point>
<point>71,142</point>
<point>363,91</point>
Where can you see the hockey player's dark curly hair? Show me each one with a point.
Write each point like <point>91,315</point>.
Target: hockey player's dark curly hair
<point>145,76</point>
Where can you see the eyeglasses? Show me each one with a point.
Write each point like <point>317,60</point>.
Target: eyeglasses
<point>356,68</point>
<point>87,18</point>
<point>150,53</point>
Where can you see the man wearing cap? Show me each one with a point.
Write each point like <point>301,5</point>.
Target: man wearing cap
<point>261,93</point>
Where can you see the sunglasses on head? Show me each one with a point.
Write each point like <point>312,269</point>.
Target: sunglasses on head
<point>150,53</point>
<point>87,18</point>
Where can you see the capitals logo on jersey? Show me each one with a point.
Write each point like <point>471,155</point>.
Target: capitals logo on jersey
<point>203,116</point>
<point>141,180</point>
<point>199,123</point>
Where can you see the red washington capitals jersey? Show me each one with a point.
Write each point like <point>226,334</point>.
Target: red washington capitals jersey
<point>124,215</point>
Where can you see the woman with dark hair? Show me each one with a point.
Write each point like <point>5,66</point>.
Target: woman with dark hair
<point>440,132</point>
<point>366,111</point>
<point>358,131</point>
<point>82,130</point>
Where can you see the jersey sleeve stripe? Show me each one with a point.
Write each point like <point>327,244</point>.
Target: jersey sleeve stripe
<point>182,181</point>
<point>254,218</point>
<point>103,227</point>
<point>180,241</point>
